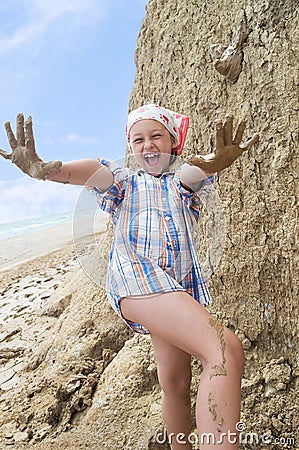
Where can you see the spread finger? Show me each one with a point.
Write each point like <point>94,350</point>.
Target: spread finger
<point>20,130</point>
<point>10,136</point>
<point>228,130</point>
<point>29,135</point>
<point>239,133</point>
<point>248,144</point>
<point>219,134</point>
<point>5,154</point>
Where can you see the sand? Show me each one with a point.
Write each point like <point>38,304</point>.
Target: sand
<point>26,247</point>
<point>32,266</point>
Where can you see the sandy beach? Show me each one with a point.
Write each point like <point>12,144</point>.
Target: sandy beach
<point>25,247</point>
<point>22,248</point>
<point>32,266</point>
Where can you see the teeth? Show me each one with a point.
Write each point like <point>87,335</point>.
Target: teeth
<point>152,155</point>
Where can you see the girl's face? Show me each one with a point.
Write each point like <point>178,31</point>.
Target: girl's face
<point>152,145</point>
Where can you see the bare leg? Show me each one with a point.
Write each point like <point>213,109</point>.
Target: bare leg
<point>174,374</point>
<point>182,322</point>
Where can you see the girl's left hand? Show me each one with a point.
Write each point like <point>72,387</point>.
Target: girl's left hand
<point>228,148</point>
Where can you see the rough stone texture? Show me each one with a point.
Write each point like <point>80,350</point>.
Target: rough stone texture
<point>92,384</point>
<point>256,284</point>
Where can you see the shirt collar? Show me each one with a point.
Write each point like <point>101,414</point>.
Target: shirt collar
<point>142,171</point>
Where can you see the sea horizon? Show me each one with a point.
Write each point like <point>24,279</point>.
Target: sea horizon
<point>17,228</point>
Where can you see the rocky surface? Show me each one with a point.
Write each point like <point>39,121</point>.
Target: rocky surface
<point>257,282</point>
<point>83,380</point>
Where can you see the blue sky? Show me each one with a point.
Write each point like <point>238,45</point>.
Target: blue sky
<point>70,65</point>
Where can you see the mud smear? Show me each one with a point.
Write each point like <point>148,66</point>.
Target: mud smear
<point>227,60</point>
<point>213,410</point>
<point>187,397</point>
<point>219,370</point>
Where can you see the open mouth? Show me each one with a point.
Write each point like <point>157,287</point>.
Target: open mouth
<point>152,159</point>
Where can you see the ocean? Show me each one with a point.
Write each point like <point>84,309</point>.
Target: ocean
<point>13,229</point>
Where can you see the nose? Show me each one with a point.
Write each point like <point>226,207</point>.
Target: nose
<point>147,144</point>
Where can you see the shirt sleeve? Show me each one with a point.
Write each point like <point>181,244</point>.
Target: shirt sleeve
<point>110,200</point>
<point>194,199</point>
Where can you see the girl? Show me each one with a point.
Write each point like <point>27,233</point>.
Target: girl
<point>154,280</point>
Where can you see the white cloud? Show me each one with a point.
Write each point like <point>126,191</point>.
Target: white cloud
<point>40,17</point>
<point>25,198</point>
<point>71,139</point>
<point>80,140</point>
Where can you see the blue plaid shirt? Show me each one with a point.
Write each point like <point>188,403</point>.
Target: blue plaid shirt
<point>153,249</point>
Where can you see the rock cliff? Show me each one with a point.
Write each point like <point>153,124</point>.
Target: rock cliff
<point>256,284</point>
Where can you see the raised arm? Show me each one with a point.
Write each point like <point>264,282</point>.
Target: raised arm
<point>83,172</point>
<point>23,154</point>
<point>192,177</point>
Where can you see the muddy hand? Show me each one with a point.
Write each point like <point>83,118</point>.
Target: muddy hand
<point>23,153</point>
<point>228,148</point>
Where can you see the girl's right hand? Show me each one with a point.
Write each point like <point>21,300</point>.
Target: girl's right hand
<point>23,153</point>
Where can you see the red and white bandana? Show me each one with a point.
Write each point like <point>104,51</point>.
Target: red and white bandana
<point>176,124</point>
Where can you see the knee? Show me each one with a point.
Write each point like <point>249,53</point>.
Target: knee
<point>177,383</point>
<point>229,354</point>
<point>235,353</point>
